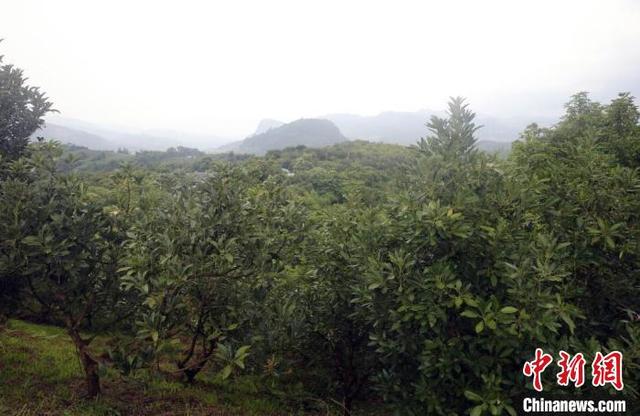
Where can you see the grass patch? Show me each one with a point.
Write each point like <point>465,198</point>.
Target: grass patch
<point>40,374</point>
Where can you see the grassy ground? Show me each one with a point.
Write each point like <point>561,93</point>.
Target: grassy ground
<point>40,375</point>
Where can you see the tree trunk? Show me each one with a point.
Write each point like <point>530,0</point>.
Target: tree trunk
<point>89,364</point>
<point>189,368</point>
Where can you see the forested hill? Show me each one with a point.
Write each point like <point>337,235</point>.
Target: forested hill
<point>308,132</point>
<point>404,128</point>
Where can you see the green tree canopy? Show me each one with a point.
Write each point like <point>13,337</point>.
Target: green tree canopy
<point>22,109</point>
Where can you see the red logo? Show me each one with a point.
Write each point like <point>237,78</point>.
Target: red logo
<point>572,369</point>
<point>608,369</point>
<point>605,369</point>
<point>536,367</point>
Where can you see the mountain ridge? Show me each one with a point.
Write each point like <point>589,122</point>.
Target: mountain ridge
<point>396,127</point>
<point>310,132</point>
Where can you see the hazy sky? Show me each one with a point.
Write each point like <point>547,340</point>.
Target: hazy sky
<point>219,67</point>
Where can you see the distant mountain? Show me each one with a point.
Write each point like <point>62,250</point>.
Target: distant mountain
<point>409,127</point>
<point>229,147</point>
<point>104,139</point>
<point>99,137</point>
<point>136,141</point>
<point>266,125</point>
<point>390,127</point>
<point>308,132</point>
<point>68,135</point>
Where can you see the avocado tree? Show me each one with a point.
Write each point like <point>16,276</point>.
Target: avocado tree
<point>64,246</point>
<point>193,260</point>
<point>584,187</point>
<point>461,287</point>
<point>329,338</point>
<point>21,113</point>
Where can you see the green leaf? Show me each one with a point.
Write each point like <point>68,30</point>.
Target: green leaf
<point>508,310</point>
<point>31,240</point>
<point>510,410</point>
<point>242,351</point>
<point>469,314</point>
<point>479,327</point>
<point>494,280</point>
<point>610,242</point>
<point>476,411</point>
<point>471,302</point>
<point>473,396</point>
<point>226,372</point>
<point>567,319</point>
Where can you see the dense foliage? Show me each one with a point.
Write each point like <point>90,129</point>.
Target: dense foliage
<point>423,276</point>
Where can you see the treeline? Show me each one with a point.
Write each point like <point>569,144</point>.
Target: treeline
<point>81,159</point>
<point>422,277</point>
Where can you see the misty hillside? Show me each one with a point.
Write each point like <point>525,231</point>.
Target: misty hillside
<point>395,127</point>
<point>67,135</point>
<point>103,139</point>
<point>98,137</point>
<point>406,128</point>
<point>308,132</point>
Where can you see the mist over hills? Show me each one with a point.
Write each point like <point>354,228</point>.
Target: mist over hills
<point>98,137</point>
<point>408,127</point>
<point>69,135</point>
<point>404,128</point>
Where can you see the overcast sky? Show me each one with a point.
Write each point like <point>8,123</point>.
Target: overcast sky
<point>218,67</point>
